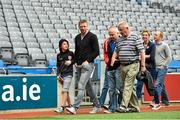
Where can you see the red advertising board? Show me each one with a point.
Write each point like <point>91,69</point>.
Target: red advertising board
<point>172,83</point>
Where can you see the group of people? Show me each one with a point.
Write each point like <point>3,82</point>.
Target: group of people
<point>125,54</point>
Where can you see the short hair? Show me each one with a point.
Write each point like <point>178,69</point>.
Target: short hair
<point>83,21</point>
<point>123,24</point>
<point>146,31</point>
<point>113,27</point>
<point>161,34</point>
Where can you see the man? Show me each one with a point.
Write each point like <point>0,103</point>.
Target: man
<point>86,50</point>
<point>113,72</point>
<point>162,58</point>
<point>129,50</point>
<point>150,61</point>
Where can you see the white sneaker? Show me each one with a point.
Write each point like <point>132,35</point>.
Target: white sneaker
<point>95,110</point>
<point>122,109</point>
<point>72,110</point>
<point>156,107</point>
<point>152,104</point>
<point>105,107</point>
<point>59,110</point>
<point>107,111</point>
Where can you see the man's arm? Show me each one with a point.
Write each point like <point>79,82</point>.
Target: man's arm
<point>106,58</point>
<point>76,51</point>
<point>142,55</point>
<point>168,55</point>
<point>113,59</point>
<point>95,48</point>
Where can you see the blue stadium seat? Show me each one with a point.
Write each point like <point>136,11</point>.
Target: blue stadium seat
<point>52,63</point>
<point>174,64</point>
<point>2,64</point>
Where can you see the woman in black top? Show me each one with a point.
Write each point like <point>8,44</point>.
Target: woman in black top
<point>149,62</point>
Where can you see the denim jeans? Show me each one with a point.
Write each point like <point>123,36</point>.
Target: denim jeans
<point>160,87</point>
<point>105,88</point>
<point>82,75</point>
<point>115,85</point>
<point>140,83</point>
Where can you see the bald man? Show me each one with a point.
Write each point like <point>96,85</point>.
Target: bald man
<point>113,72</point>
<point>162,59</point>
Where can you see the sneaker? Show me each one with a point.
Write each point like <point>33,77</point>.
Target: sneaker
<point>105,107</point>
<point>122,110</point>
<point>72,110</point>
<point>156,107</point>
<point>133,110</point>
<point>59,110</point>
<point>165,104</point>
<point>107,111</point>
<point>95,110</point>
<point>152,104</point>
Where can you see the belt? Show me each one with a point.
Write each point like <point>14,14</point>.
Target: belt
<point>129,63</point>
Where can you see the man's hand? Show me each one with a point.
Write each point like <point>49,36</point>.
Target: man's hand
<point>143,69</point>
<point>85,62</point>
<point>113,61</point>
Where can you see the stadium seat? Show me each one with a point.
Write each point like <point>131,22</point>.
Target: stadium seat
<point>16,39</point>
<point>176,57</point>
<point>38,60</point>
<point>45,45</point>
<point>175,64</point>
<point>34,50</point>
<point>28,34</point>
<point>6,51</point>
<point>43,40</point>
<point>2,64</point>
<point>51,56</point>
<point>3,69</point>
<point>29,39</point>
<point>21,56</point>
<point>32,45</point>
<point>48,50</point>
<point>4,38</point>
<point>18,44</point>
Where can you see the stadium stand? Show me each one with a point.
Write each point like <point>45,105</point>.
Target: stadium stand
<point>34,25</point>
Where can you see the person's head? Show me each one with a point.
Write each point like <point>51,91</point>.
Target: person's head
<point>158,36</point>
<point>83,26</point>
<point>145,35</point>
<point>113,33</point>
<point>63,45</point>
<point>123,28</point>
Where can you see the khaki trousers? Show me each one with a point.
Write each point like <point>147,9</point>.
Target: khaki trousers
<point>128,74</point>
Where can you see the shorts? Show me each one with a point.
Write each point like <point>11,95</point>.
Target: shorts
<point>66,83</point>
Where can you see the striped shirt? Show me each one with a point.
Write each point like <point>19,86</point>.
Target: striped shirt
<point>128,49</point>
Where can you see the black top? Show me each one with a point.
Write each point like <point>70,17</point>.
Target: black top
<point>110,49</point>
<point>150,50</point>
<point>61,67</point>
<point>86,49</point>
